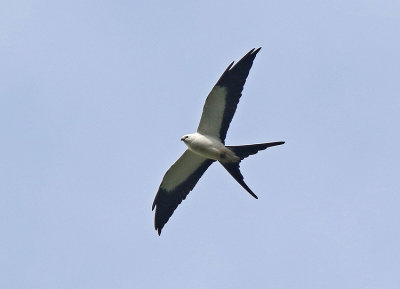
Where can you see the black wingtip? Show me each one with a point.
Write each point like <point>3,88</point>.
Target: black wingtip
<point>251,52</point>
<point>256,50</point>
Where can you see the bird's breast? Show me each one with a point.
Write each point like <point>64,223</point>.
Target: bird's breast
<point>206,146</point>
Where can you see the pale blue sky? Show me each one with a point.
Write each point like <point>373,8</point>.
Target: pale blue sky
<point>95,95</point>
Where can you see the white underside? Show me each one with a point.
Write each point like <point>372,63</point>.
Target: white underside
<point>213,112</point>
<point>210,147</point>
<point>201,147</point>
<point>185,166</point>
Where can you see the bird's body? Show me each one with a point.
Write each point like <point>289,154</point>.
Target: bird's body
<point>207,145</point>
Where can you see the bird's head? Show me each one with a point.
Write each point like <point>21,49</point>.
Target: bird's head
<point>186,138</point>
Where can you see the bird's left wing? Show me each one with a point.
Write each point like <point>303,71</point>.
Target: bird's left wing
<point>223,99</point>
<point>178,181</point>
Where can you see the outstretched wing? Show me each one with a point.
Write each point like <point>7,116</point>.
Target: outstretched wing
<point>223,99</point>
<point>178,181</point>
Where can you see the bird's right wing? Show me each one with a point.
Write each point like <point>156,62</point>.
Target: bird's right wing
<point>178,181</point>
<point>221,103</point>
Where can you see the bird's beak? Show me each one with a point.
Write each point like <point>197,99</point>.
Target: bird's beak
<point>182,138</point>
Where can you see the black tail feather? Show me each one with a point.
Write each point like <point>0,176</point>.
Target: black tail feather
<point>233,169</point>
<point>243,152</point>
<point>247,150</point>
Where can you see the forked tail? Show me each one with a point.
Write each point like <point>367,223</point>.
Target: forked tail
<point>243,152</point>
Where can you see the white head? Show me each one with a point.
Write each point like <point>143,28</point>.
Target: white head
<point>187,138</point>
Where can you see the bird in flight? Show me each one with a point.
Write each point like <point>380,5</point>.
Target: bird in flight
<point>207,145</point>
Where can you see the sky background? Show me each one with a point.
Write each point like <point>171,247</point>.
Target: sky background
<point>95,95</point>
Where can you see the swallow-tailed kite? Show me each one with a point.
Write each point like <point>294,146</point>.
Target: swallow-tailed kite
<point>207,145</point>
